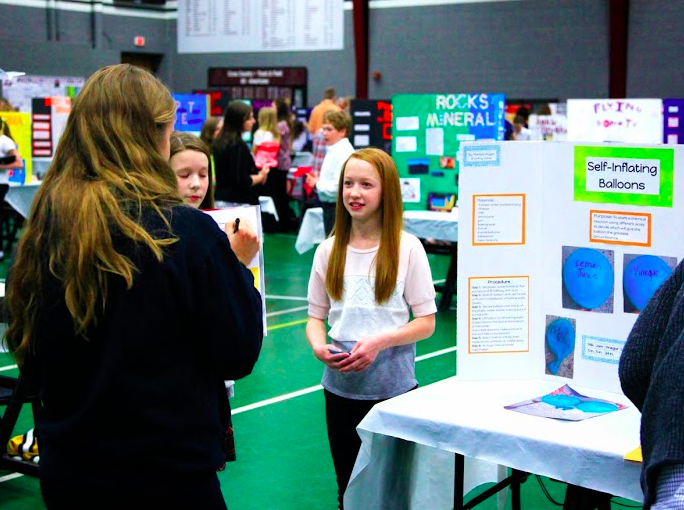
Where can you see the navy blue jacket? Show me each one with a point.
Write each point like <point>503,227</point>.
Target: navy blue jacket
<point>144,393</point>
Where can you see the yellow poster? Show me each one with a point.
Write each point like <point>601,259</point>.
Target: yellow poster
<point>20,127</point>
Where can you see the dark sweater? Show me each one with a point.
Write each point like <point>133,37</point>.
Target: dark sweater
<point>234,165</point>
<point>145,393</point>
<point>652,377</point>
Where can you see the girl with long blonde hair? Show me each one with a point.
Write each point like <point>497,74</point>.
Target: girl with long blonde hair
<point>121,305</point>
<point>364,280</point>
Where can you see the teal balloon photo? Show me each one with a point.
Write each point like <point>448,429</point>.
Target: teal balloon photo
<point>588,278</point>
<point>642,277</point>
<point>560,339</point>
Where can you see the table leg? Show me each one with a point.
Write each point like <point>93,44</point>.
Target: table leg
<point>450,283</point>
<point>581,498</point>
<point>517,477</point>
<point>458,482</point>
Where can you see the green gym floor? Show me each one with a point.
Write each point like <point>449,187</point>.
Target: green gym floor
<point>278,411</point>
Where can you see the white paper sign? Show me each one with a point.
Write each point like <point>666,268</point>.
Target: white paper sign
<point>237,26</point>
<point>615,120</point>
<point>406,144</point>
<point>252,214</point>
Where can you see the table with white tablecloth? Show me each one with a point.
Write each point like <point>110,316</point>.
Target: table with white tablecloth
<point>407,456</point>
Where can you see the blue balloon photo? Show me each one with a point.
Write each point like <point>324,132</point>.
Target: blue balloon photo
<point>588,278</point>
<point>643,275</point>
<point>560,337</point>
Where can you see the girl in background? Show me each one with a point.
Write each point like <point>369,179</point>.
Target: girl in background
<point>364,280</point>
<point>268,129</point>
<point>191,162</point>
<point>278,177</point>
<point>210,129</point>
<point>236,173</point>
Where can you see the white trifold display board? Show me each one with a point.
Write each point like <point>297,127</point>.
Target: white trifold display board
<point>560,246</point>
<point>615,120</point>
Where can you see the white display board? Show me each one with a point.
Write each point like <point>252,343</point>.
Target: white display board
<point>238,26</point>
<point>560,246</point>
<point>19,91</point>
<point>615,120</point>
<point>551,128</point>
<point>252,214</point>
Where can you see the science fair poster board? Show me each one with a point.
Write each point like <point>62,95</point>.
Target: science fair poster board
<point>21,90</point>
<point>371,124</point>
<point>191,112</point>
<point>548,127</point>
<point>48,120</point>
<point>252,214</point>
<point>428,129</point>
<point>615,120</point>
<point>560,247</point>
<point>218,100</point>
<point>673,121</point>
<point>20,126</point>
<point>260,25</point>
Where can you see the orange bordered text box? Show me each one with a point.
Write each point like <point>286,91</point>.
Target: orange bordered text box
<point>498,219</point>
<point>619,227</point>
<point>498,314</point>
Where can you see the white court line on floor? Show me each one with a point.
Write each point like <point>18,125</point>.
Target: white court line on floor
<point>289,310</point>
<point>12,476</point>
<point>8,367</point>
<point>311,389</point>
<point>292,298</point>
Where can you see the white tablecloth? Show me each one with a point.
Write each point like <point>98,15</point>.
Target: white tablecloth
<point>407,456</point>
<point>423,224</point>
<point>20,196</point>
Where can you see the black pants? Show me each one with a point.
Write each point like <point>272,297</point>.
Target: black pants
<point>277,189</point>
<point>133,491</point>
<point>342,416</point>
<point>328,216</point>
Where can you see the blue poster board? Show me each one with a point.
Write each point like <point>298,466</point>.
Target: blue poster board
<point>191,112</point>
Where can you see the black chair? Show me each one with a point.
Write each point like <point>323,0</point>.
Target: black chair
<point>14,393</point>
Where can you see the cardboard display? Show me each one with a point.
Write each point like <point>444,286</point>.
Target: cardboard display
<point>615,120</point>
<point>191,112</point>
<point>427,130</point>
<point>20,128</point>
<point>371,124</point>
<point>560,246</point>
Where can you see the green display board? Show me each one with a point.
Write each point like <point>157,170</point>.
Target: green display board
<point>427,131</point>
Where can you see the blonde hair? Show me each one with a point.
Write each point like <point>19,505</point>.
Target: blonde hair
<point>268,121</point>
<point>106,171</point>
<point>391,209</point>
<point>182,141</point>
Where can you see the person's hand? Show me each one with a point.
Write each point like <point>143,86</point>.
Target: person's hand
<point>263,174</point>
<point>363,354</point>
<point>244,242</point>
<point>322,353</point>
<point>311,180</point>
